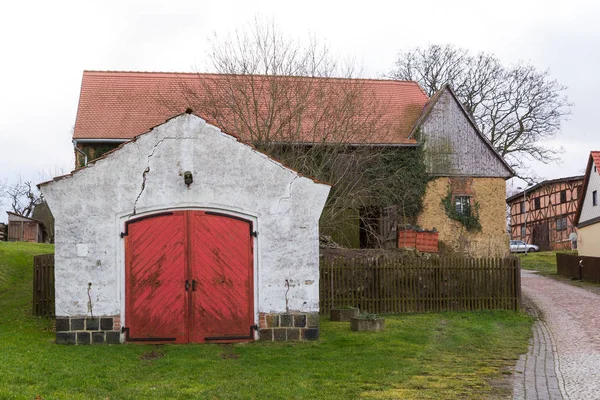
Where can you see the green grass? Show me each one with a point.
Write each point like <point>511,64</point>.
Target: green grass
<point>542,261</point>
<point>425,356</point>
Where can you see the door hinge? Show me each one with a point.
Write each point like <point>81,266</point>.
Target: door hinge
<point>253,233</point>
<point>123,234</point>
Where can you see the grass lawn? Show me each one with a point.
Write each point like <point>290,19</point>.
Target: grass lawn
<point>542,261</point>
<point>425,356</point>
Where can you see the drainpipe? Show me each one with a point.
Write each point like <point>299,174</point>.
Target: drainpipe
<point>80,152</point>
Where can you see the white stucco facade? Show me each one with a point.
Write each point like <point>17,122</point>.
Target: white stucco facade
<point>146,176</point>
<point>589,224</point>
<point>590,211</point>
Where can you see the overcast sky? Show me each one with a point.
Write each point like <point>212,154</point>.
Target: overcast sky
<point>45,46</point>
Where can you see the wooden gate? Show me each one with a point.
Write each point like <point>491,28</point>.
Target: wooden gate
<point>189,278</point>
<point>43,285</point>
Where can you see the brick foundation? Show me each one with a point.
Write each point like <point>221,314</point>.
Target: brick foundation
<point>86,330</point>
<point>288,326</point>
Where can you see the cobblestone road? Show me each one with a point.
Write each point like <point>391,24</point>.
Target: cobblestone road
<point>563,360</point>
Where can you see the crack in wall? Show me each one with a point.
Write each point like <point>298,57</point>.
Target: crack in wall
<point>148,167</point>
<point>289,196</point>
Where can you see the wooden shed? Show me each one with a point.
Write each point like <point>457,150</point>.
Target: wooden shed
<point>23,229</point>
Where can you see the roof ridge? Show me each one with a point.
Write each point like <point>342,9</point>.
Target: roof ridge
<point>170,73</point>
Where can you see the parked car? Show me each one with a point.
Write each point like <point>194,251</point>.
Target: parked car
<point>519,246</point>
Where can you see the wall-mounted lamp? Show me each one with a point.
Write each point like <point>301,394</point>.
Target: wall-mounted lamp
<point>188,178</point>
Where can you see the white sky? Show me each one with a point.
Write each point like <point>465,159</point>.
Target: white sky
<point>45,46</point>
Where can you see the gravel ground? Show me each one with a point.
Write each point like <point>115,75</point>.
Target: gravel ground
<point>572,316</point>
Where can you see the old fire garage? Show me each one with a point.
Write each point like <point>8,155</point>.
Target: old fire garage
<point>185,234</point>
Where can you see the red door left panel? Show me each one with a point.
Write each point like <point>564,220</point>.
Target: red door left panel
<point>156,272</point>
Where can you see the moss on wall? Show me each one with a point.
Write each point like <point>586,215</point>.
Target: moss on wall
<point>491,241</point>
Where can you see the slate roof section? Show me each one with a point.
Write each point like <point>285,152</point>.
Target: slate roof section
<point>431,104</point>
<point>121,105</point>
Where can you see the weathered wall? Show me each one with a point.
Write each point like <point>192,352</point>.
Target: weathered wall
<point>492,240</point>
<point>587,240</point>
<point>453,146</point>
<point>146,175</point>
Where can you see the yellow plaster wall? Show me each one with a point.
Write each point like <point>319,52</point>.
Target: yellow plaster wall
<point>492,240</point>
<point>588,240</point>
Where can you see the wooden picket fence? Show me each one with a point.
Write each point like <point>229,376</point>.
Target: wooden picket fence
<point>578,267</point>
<point>43,285</point>
<point>392,285</point>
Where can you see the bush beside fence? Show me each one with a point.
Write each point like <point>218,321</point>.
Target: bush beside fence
<point>391,285</point>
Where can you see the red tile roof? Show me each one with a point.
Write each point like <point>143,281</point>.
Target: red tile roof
<point>121,105</point>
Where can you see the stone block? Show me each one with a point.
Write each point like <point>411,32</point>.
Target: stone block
<point>293,334</point>
<point>62,325</point>
<point>286,320</point>
<point>113,337</point>
<point>77,324</point>
<point>310,334</point>
<point>106,324</point>
<point>65,338</point>
<point>265,335</point>
<point>279,334</point>
<point>313,320</point>
<point>343,314</point>
<point>272,320</point>
<point>92,324</point>
<point>299,320</point>
<point>98,337</point>
<point>83,338</point>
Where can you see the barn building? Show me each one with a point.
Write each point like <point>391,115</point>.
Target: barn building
<point>185,234</point>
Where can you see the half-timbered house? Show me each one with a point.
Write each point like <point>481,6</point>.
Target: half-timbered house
<point>544,214</point>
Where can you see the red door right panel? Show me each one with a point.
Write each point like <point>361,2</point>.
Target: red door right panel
<point>222,268</point>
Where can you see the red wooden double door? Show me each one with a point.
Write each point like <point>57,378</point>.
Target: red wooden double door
<point>189,277</point>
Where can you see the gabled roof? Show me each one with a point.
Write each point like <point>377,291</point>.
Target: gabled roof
<point>133,139</point>
<point>542,184</point>
<point>431,104</point>
<point>121,105</point>
<point>594,159</point>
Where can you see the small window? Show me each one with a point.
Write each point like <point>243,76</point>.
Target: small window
<point>523,231</point>
<point>595,198</point>
<point>536,203</point>
<point>522,207</point>
<point>462,204</point>
<point>563,196</point>
<point>561,224</point>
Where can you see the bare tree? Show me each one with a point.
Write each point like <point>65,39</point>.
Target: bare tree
<point>286,100</point>
<point>22,195</point>
<point>516,107</point>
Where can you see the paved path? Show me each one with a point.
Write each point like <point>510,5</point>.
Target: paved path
<point>563,360</point>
